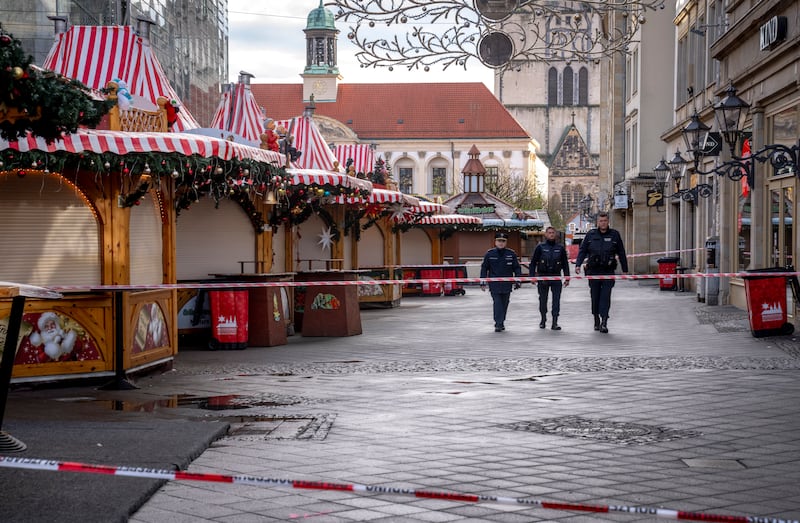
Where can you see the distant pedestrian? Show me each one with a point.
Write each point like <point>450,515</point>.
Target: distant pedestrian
<point>601,248</point>
<point>498,263</point>
<point>549,258</point>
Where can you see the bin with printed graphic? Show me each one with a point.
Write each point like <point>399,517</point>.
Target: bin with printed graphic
<point>229,319</point>
<point>766,302</point>
<point>668,265</point>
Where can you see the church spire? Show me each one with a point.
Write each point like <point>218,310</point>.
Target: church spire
<point>321,73</point>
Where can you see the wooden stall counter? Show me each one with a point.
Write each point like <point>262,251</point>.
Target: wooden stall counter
<point>327,310</point>
<point>268,307</point>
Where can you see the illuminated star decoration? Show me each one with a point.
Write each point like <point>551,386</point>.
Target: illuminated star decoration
<point>326,239</point>
<point>398,211</point>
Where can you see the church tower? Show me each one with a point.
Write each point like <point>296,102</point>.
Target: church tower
<point>321,75</point>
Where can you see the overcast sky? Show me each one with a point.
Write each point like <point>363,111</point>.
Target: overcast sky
<point>267,40</point>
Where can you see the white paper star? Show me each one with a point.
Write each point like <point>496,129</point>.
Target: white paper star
<point>326,239</point>
<point>398,211</point>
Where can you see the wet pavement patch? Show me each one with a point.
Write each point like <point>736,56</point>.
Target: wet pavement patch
<point>285,426</point>
<point>622,433</point>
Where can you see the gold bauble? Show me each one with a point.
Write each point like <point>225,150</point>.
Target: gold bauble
<point>17,73</point>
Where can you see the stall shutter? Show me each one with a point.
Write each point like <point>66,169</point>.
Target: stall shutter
<point>213,240</point>
<point>146,244</point>
<point>48,232</point>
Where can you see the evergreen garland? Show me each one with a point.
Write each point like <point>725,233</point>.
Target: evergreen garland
<point>39,101</point>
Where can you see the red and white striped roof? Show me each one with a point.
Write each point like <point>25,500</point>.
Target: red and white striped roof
<point>380,196</point>
<point>431,208</point>
<point>319,177</point>
<point>96,55</point>
<point>449,219</point>
<point>307,138</point>
<point>120,142</point>
<point>363,156</point>
<point>239,113</point>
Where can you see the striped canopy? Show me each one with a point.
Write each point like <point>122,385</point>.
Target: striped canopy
<point>120,142</point>
<point>319,177</point>
<point>307,138</point>
<point>363,156</point>
<point>239,113</point>
<point>96,55</point>
<point>380,196</point>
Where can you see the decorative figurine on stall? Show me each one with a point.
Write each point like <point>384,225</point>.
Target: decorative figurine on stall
<point>124,97</point>
<point>173,108</point>
<point>269,138</point>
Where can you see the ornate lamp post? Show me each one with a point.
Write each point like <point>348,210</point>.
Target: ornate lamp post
<point>586,205</point>
<point>730,113</point>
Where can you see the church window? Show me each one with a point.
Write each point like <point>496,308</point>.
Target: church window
<point>552,86</point>
<point>568,87</point>
<point>583,86</point>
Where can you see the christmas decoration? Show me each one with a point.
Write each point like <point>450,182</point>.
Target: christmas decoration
<point>41,102</point>
<point>382,172</point>
<point>326,239</point>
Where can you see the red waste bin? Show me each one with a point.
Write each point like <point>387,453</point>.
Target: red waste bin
<point>431,288</point>
<point>766,302</point>
<point>668,266</point>
<point>229,319</point>
<point>454,288</point>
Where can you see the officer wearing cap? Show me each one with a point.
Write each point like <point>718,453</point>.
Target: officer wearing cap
<point>500,262</point>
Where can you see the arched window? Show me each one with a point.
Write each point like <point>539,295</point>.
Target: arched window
<point>567,205</point>
<point>583,86</point>
<point>552,86</point>
<point>568,88</point>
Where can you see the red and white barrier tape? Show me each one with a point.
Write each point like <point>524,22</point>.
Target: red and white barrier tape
<point>140,472</point>
<point>334,283</point>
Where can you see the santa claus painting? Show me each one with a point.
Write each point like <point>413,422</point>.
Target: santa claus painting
<point>51,337</point>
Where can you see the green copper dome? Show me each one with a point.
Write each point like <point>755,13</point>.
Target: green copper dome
<point>321,18</point>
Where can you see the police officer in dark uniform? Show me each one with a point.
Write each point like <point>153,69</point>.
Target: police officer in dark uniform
<point>498,263</point>
<point>601,248</point>
<point>550,259</point>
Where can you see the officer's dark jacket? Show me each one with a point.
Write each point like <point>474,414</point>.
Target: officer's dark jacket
<point>499,263</point>
<point>601,252</point>
<point>549,259</point>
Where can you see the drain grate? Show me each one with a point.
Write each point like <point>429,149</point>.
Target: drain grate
<point>608,431</point>
<point>285,426</point>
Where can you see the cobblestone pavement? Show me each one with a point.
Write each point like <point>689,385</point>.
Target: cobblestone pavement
<point>677,407</point>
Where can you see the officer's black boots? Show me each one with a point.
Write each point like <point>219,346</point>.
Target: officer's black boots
<point>543,323</point>
<point>555,325</point>
<point>597,322</point>
<point>604,325</point>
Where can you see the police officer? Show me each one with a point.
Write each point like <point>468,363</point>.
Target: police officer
<point>550,259</point>
<point>500,262</point>
<point>601,248</point>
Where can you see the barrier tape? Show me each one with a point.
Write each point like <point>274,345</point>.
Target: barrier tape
<point>334,283</point>
<point>140,472</point>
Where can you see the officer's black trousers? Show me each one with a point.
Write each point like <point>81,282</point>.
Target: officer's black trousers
<point>500,307</point>
<point>554,286</point>
<point>600,291</point>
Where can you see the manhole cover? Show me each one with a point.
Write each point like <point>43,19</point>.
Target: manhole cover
<point>288,426</point>
<point>608,431</point>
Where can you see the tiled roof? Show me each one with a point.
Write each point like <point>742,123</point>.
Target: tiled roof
<point>402,111</point>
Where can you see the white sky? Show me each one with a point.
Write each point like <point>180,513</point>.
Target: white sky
<point>267,40</point>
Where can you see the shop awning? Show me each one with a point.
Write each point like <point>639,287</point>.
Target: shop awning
<point>380,196</point>
<point>96,55</point>
<point>449,219</point>
<point>431,208</point>
<point>120,142</point>
<point>320,177</point>
<point>363,156</point>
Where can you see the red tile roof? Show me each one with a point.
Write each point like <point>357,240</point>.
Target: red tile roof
<point>402,111</point>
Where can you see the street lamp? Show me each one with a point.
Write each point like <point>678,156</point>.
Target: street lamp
<point>586,204</point>
<point>675,169</point>
<point>730,113</point>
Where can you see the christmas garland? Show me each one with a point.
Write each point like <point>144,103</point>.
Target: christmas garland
<point>41,102</point>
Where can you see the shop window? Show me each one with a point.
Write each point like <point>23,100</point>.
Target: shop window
<point>491,179</point>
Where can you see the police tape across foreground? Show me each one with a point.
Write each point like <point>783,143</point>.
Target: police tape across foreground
<point>144,472</point>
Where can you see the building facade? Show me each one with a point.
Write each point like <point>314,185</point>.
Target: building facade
<point>752,47</point>
<point>189,38</point>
